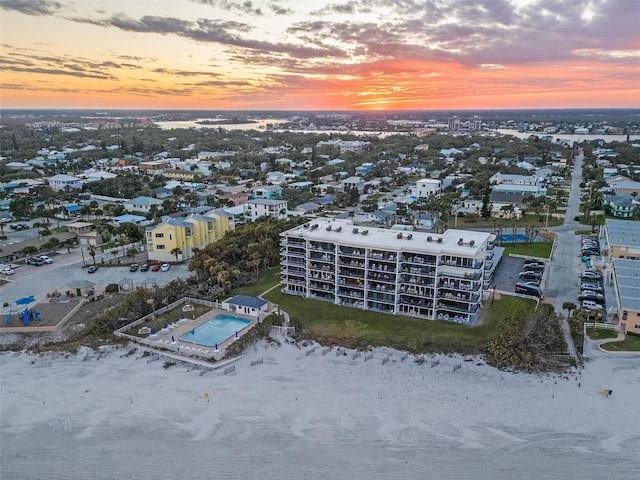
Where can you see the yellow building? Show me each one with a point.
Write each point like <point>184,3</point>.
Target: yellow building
<point>176,238</point>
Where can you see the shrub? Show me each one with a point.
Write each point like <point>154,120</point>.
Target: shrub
<point>111,288</point>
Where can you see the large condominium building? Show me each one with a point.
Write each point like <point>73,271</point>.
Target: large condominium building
<point>433,276</point>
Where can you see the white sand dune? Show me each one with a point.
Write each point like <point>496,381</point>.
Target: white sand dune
<point>306,417</point>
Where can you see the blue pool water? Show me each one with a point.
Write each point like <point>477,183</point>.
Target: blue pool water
<point>216,330</point>
<point>520,237</point>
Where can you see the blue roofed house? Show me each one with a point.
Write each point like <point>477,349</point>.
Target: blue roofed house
<point>246,305</point>
<point>365,168</point>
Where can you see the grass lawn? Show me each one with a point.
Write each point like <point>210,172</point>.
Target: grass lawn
<point>631,343</point>
<point>536,249</point>
<point>268,278</point>
<point>333,324</point>
<point>601,333</point>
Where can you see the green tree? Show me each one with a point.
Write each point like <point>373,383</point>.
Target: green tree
<point>132,252</point>
<point>91,250</point>
<point>29,250</point>
<point>176,251</point>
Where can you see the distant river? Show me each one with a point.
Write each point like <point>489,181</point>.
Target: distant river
<point>570,137</point>
<point>255,125</point>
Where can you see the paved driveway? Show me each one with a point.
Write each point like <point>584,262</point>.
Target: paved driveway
<point>38,281</point>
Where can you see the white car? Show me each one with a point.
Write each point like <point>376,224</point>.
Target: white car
<point>165,267</point>
<point>7,271</point>
<point>46,259</point>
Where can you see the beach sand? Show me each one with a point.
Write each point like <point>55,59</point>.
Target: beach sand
<point>297,416</point>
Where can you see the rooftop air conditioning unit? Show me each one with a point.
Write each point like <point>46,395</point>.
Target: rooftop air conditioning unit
<point>460,241</point>
<point>410,236</point>
<point>472,243</point>
<point>439,239</point>
<point>355,230</point>
<point>399,236</point>
<point>338,229</point>
<point>364,232</point>
<point>429,238</point>
<point>328,228</point>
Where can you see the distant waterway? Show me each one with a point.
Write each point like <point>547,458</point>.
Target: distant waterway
<point>253,125</point>
<point>571,137</point>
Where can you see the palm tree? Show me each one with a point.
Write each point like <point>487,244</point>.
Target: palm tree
<point>91,250</point>
<point>176,251</point>
<point>569,307</point>
<point>132,252</point>
<point>29,250</point>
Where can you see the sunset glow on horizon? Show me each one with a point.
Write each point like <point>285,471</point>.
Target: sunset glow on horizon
<point>320,55</point>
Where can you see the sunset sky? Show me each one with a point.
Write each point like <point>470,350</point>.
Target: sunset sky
<point>320,55</point>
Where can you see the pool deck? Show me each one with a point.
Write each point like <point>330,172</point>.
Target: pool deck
<point>162,339</point>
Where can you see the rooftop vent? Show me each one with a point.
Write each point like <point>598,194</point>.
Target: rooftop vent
<point>429,238</point>
<point>306,225</point>
<point>439,239</point>
<point>460,241</point>
<point>314,226</point>
<point>355,230</point>
<point>328,228</point>
<point>410,236</point>
<point>472,243</point>
<point>364,232</point>
<point>338,229</point>
<point>399,235</point>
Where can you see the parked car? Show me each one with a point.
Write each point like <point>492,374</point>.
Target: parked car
<point>591,295</point>
<point>37,261</point>
<point>599,301</point>
<point>591,305</point>
<point>155,268</point>
<point>534,267</point>
<point>46,259</point>
<point>93,269</point>
<point>144,267</point>
<point>591,274</point>
<point>529,275</point>
<point>533,283</point>
<point>165,267</point>
<point>133,267</point>
<point>591,286</point>
<point>7,271</point>
<point>533,261</point>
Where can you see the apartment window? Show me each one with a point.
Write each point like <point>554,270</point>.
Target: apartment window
<point>188,232</point>
<point>160,247</point>
<point>170,237</point>
<point>159,235</point>
<point>624,314</point>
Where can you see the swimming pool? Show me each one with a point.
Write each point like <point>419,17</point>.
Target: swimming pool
<point>215,331</point>
<point>520,237</point>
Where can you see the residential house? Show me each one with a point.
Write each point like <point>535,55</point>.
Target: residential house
<point>621,206</point>
<point>276,178</point>
<point>508,204</point>
<point>428,187</point>
<point>534,190</point>
<point>61,182</point>
<point>267,191</point>
<point>364,169</point>
<point>510,179</point>
<point>259,207</point>
<point>353,182</point>
<point>141,204</point>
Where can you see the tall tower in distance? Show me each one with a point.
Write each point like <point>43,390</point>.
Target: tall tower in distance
<point>475,123</point>
<point>454,124</point>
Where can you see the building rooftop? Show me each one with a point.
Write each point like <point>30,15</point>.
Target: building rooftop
<point>628,279</point>
<point>624,233</point>
<point>454,242</point>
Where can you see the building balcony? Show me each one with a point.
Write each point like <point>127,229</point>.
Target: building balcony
<point>352,252</point>
<point>388,299</point>
<point>376,306</point>
<point>293,262</point>
<point>350,294</point>
<point>466,276</point>
<point>322,267</point>
<point>351,273</point>
<point>381,277</point>
<point>350,263</point>
<point>459,297</point>
<point>293,281</point>
<point>299,293</point>
<point>416,302</point>
<point>322,258</point>
<point>445,305</point>
<point>419,260</point>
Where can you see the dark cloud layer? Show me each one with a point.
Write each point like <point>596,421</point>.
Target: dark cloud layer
<point>31,7</point>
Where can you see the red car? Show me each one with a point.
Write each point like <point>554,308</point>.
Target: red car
<point>155,268</point>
